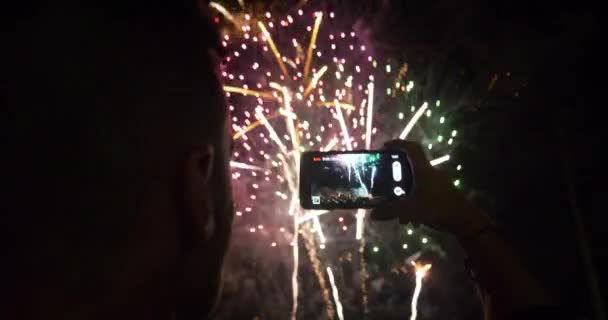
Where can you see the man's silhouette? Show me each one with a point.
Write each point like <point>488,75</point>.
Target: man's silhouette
<point>119,203</point>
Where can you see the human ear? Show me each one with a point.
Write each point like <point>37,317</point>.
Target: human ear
<point>199,278</point>
<point>197,215</point>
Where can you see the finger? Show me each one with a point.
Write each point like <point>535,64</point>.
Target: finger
<point>412,218</point>
<point>414,151</point>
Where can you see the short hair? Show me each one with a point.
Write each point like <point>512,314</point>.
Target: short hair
<point>98,92</point>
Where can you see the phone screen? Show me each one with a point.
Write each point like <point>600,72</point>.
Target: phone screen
<point>354,179</point>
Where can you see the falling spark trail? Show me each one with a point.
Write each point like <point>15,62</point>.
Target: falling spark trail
<point>289,119</point>
<point>332,143</point>
<point>440,160</point>
<point>370,108</point>
<point>311,214</point>
<point>330,104</point>
<point>245,166</point>
<point>349,145</point>
<point>274,49</point>
<point>315,80</point>
<point>291,180</point>
<point>360,217</point>
<point>316,264</point>
<point>249,92</point>
<point>413,121</point>
<point>372,178</point>
<point>334,290</point>
<point>364,275</point>
<point>358,175</point>
<point>273,133</point>
<point>313,40</point>
<point>252,126</point>
<point>319,229</point>
<point>221,9</point>
<point>420,273</point>
<point>296,261</point>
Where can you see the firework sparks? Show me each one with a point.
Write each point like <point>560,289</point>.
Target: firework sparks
<point>221,9</point>
<point>364,275</point>
<point>421,271</point>
<point>413,121</point>
<point>313,40</point>
<point>370,108</point>
<point>328,97</point>
<point>440,160</point>
<point>309,243</point>
<point>343,126</point>
<point>274,49</point>
<point>239,165</point>
<point>296,261</point>
<point>334,290</point>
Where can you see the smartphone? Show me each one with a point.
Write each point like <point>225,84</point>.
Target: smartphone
<point>353,179</point>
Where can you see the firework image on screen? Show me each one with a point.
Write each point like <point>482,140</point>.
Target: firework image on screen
<point>345,178</point>
<point>354,178</point>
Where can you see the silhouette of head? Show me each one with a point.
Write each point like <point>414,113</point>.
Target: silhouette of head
<point>119,161</point>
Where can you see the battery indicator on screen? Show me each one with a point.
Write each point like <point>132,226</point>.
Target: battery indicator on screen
<point>394,156</point>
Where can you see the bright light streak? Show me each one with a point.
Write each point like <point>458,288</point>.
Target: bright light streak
<point>240,165</point>
<point>289,174</point>
<point>334,290</point>
<point>249,92</point>
<point>372,178</point>
<point>364,275</point>
<point>296,260</point>
<point>440,160</point>
<point>291,127</point>
<point>330,104</point>
<point>316,265</point>
<point>273,133</point>
<point>274,49</point>
<point>313,40</point>
<point>420,273</point>
<point>319,229</point>
<point>360,219</point>
<point>221,9</point>
<point>360,180</point>
<point>315,79</point>
<point>252,126</point>
<point>370,108</point>
<point>332,143</point>
<point>345,134</point>
<point>413,121</point>
<point>311,214</point>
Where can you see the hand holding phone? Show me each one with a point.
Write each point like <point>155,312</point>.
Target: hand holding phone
<point>433,200</point>
<point>353,179</point>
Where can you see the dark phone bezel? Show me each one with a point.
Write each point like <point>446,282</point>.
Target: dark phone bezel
<point>305,184</point>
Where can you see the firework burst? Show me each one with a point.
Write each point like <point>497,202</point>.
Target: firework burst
<point>302,82</point>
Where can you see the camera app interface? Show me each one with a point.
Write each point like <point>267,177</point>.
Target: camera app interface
<point>356,178</point>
